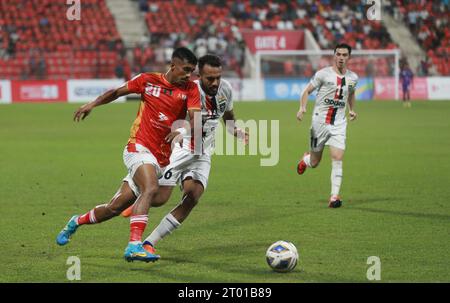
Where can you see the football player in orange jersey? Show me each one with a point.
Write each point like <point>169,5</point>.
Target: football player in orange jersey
<point>165,99</point>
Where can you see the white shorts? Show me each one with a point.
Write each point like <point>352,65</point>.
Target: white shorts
<point>326,134</point>
<point>183,164</point>
<point>142,156</point>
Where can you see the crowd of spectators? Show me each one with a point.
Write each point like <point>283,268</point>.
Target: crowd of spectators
<point>36,38</point>
<point>216,26</point>
<point>428,22</point>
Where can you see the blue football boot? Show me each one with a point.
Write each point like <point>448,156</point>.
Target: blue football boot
<point>71,227</point>
<point>137,252</point>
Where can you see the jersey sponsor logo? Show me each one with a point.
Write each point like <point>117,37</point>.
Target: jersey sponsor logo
<point>182,97</point>
<point>152,90</point>
<point>162,117</point>
<point>334,102</point>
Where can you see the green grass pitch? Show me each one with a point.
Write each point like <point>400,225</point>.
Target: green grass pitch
<point>396,191</point>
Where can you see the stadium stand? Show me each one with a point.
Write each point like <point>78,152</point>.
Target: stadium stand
<point>428,22</point>
<point>214,26</point>
<point>39,43</point>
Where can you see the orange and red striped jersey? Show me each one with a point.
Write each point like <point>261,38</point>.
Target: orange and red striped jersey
<point>162,103</point>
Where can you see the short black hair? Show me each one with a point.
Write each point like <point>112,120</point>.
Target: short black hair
<point>185,54</point>
<point>211,60</point>
<point>343,45</point>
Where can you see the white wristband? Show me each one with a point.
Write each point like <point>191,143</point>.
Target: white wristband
<point>182,131</point>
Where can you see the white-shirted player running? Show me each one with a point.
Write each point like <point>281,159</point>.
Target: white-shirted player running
<point>185,167</point>
<point>335,87</point>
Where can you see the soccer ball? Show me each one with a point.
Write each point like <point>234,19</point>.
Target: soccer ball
<point>282,256</point>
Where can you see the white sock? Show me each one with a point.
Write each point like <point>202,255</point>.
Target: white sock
<point>307,160</point>
<point>168,224</point>
<point>336,177</point>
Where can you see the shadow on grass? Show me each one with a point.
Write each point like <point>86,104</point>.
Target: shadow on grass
<point>356,201</point>
<point>406,213</point>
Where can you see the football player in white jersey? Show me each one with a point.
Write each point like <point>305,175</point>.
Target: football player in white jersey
<point>186,168</point>
<point>335,87</point>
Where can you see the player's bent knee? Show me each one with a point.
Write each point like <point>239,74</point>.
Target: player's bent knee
<point>159,201</point>
<point>149,194</point>
<point>193,197</point>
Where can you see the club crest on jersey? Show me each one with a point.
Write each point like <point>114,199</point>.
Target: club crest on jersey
<point>222,106</point>
<point>222,103</point>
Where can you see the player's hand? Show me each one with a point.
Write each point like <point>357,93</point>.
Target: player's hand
<point>300,114</point>
<point>83,112</point>
<point>352,115</point>
<point>174,138</point>
<point>242,134</point>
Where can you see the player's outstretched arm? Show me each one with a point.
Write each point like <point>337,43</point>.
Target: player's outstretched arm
<point>351,104</point>
<point>106,98</point>
<point>304,101</point>
<point>230,123</point>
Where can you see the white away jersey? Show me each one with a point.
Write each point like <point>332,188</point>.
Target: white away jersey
<point>213,108</point>
<point>332,95</point>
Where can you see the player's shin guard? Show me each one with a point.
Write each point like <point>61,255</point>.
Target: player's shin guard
<point>137,227</point>
<point>336,177</point>
<point>167,225</point>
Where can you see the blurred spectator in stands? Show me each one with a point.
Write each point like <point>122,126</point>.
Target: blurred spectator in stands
<point>200,47</point>
<point>423,68</point>
<point>137,57</point>
<point>412,19</point>
<point>370,69</point>
<point>41,68</point>
<point>123,68</point>
<point>120,48</point>
<point>3,43</point>
<point>36,65</point>
<point>288,67</point>
<point>119,71</point>
<point>32,63</point>
<point>12,40</point>
<point>143,6</point>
